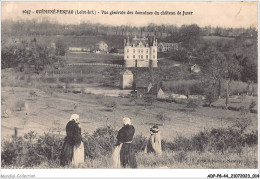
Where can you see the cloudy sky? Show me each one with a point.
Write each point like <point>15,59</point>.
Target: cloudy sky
<point>224,14</point>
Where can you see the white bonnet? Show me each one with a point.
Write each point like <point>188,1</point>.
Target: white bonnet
<point>74,117</point>
<point>126,121</point>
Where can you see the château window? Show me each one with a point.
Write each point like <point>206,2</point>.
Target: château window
<point>139,50</point>
<point>146,56</point>
<point>153,56</point>
<point>141,56</point>
<point>142,51</point>
<point>133,56</point>
<point>127,56</point>
<point>153,50</point>
<point>146,50</point>
<point>134,50</point>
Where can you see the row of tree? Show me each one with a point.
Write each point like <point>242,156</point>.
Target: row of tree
<point>46,27</point>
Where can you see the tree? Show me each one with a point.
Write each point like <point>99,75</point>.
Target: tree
<point>211,94</point>
<point>219,66</point>
<point>214,67</point>
<point>60,48</point>
<point>190,35</point>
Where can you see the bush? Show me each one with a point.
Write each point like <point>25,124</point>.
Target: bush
<point>183,87</point>
<point>193,104</point>
<point>139,142</point>
<point>67,79</point>
<point>101,142</point>
<point>162,117</point>
<point>32,150</point>
<point>20,105</point>
<point>211,94</point>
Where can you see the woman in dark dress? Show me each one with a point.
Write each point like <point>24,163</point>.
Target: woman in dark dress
<point>124,155</point>
<point>72,143</point>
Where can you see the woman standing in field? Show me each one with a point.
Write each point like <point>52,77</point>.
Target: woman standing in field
<point>124,155</point>
<point>154,142</point>
<point>73,148</point>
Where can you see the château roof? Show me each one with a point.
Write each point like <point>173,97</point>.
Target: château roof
<point>141,41</point>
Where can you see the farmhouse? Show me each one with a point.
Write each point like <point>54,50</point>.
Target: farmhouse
<point>101,46</point>
<point>195,68</point>
<point>79,49</point>
<point>140,52</point>
<point>126,79</point>
<point>75,49</point>
<point>166,47</point>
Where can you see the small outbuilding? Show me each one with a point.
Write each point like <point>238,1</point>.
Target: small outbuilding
<point>126,79</point>
<point>195,68</point>
<point>160,94</point>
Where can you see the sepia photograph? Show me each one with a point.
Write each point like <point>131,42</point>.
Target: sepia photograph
<point>129,85</point>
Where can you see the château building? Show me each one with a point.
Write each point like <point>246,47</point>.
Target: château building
<point>140,52</point>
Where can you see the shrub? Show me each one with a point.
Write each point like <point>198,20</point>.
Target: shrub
<point>193,104</point>
<point>139,142</point>
<point>100,143</point>
<point>34,150</point>
<point>162,117</point>
<point>68,79</point>
<point>211,94</point>
<point>252,105</point>
<point>251,138</point>
<point>22,77</point>
<point>19,105</point>
<point>180,156</point>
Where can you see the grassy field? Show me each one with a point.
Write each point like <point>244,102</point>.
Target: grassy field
<point>48,107</point>
<point>44,102</point>
<point>93,58</point>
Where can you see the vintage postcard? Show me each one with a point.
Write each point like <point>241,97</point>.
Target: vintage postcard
<point>129,85</point>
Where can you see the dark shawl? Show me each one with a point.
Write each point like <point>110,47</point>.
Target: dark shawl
<point>126,134</point>
<point>72,139</point>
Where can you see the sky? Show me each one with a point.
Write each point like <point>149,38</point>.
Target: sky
<point>222,14</point>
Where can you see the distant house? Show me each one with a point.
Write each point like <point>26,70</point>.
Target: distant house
<point>101,46</point>
<point>86,50</point>
<point>75,49</point>
<point>27,68</point>
<point>166,47</point>
<point>160,94</point>
<point>79,49</point>
<point>195,68</point>
<point>142,87</point>
<point>53,45</point>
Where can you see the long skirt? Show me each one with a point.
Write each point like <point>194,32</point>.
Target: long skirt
<point>71,154</point>
<point>78,155</point>
<point>124,156</point>
<point>127,156</point>
<point>66,153</point>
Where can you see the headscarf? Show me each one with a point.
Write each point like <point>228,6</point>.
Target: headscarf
<point>75,117</point>
<point>126,121</point>
<point>155,129</point>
